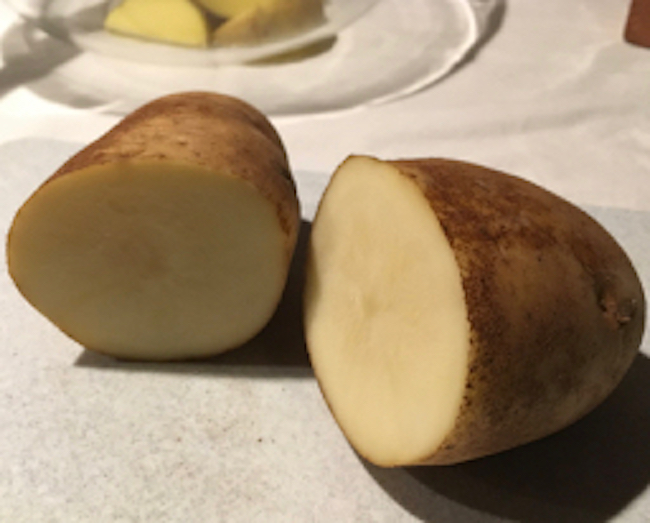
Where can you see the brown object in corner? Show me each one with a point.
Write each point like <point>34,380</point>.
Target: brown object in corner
<point>637,30</point>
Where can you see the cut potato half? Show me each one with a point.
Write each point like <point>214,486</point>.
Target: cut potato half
<point>452,311</point>
<point>160,240</point>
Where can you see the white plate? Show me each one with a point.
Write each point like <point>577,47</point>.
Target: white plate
<point>396,48</point>
<point>81,23</point>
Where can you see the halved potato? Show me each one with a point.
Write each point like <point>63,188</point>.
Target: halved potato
<point>170,237</point>
<point>453,311</point>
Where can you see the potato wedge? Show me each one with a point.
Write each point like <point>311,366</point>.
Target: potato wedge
<point>453,311</point>
<point>178,22</point>
<point>170,237</point>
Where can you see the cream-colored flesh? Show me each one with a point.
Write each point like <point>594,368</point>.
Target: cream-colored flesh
<point>172,21</point>
<point>150,260</point>
<point>386,321</point>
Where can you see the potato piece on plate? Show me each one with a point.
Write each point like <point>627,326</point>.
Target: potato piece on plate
<point>170,237</point>
<point>270,20</point>
<point>178,22</point>
<point>453,311</point>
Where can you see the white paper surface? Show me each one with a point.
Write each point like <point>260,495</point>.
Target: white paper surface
<point>247,437</point>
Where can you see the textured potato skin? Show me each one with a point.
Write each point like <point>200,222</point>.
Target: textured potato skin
<point>211,130</point>
<point>556,309</point>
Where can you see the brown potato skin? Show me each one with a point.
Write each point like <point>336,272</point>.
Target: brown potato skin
<point>555,306</point>
<point>206,129</point>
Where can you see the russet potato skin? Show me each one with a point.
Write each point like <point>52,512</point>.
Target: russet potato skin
<point>555,307</point>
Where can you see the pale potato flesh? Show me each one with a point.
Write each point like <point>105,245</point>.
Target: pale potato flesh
<point>150,260</point>
<point>178,22</point>
<point>386,321</point>
<point>270,20</point>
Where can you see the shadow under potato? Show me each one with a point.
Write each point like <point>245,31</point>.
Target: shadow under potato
<point>587,473</point>
<point>278,350</point>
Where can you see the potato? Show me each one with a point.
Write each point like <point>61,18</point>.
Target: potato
<point>270,20</point>
<point>178,22</point>
<point>453,311</point>
<point>169,237</point>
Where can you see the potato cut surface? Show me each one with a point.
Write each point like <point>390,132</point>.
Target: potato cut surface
<point>386,320</point>
<point>151,260</point>
<point>178,22</point>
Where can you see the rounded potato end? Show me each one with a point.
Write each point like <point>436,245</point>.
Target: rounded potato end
<point>453,311</point>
